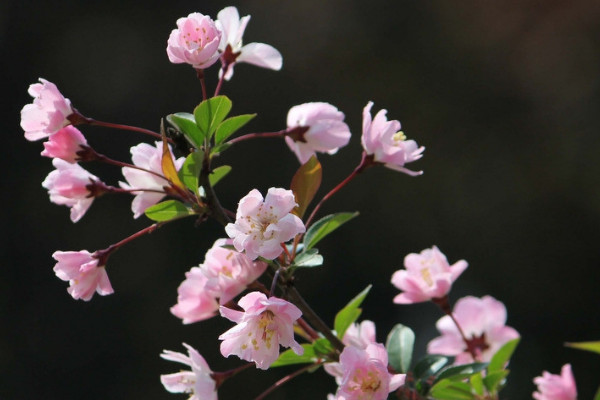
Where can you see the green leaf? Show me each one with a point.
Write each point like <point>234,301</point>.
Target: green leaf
<point>186,123</point>
<point>325,226</point>
<point>218,173</point>
<point>399,346</point>
<point>493,380</point>
<point>597,396</point>
<point>450,390</point>
<point>588,346</point>
<point>210,113</point>
<point>309,258</point>
<point>230,126</point>
<point>476,382</point>
<point>305,183</point>
<point>190,171</point>
<point>220,148</point>
<point>168,210</point>
<point>350,313</point>
<point>322,347</point>
<point>460,372</point>
<point>502,356</point>
<point>429,366</point>
<point>288,357</point>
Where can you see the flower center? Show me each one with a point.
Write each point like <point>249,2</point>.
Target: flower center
<point>225,270</point>
<point>426,270</point>
<point>477,344</point>
<point>197,39</point>
<point>365,383</point>
<point>188,382</point>
<point>265,324</point>
<point>260,222</point>
<point>426,275</point>
<point>398,137</point>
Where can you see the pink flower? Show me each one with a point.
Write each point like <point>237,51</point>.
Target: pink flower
<point>223,275</point>
<point>326,132</point>
<point>195,41</point>
<point>427,276</point>
<point>194,302</point>
<point>362,374</point>
<point>84,274</point>
<point>360,335</point>
<point>151,186</point>
<point>65,144</point>
<point>198,381</point>
<point>47,114</point>
<point>73,186</point>
<point>483,323</point>
<point>556,387</point>
<point>265,324</point>
<point>385,141</point>
<point>259,54</point>
<point>261,226</point>
<point>229,272</point>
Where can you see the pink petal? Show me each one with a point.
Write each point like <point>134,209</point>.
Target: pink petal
<point>261,55</point>
<point>449,345</point>
<point>232,315</point>
<point>458,268</point>
<point>178,382</point>
<point>177,357</point>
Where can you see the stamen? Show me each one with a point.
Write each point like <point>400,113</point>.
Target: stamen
<point>399,136</point>
<point>426,275</point>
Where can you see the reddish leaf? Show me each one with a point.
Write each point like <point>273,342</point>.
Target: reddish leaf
<point>305,184</point>
<point>167,164</point>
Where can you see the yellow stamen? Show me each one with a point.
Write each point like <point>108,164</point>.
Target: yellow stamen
<point>399,136</point>
<point>426,275</point>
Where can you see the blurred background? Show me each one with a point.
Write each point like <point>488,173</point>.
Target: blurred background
<point>504,96</point>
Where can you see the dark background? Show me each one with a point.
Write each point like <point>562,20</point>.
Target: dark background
<point>504,95</point>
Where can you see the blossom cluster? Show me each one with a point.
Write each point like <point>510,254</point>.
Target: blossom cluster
<point>248,276</point>
<point>224,274</point>
<point>200,42</point>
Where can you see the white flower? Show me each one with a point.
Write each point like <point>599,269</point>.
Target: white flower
<point>325,131</point>
<point>259,54</point>
<point>151,186</point>
<point>262,225</point>
<point>198,381</point>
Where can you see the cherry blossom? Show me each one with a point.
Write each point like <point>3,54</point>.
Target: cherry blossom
<point>195,41</point>
<point>265,324</point>
<point>384,140</point>
<point>261,225</point>
<point>71,185</point>
<point>47,114</point>
<point>224,274</point>
<point>556,387</point>
<point>362,374</point>
<point>360,335</point>
<point>65,144</point>
<point>194,302</point>
<point>151,186</point>
<point>84,274</point>
<point>259,54</point>
<point>198,381</point>
<point>325,130</point>
<point>483,323</point>
<point>229,272</point>
<point>427,276</point>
